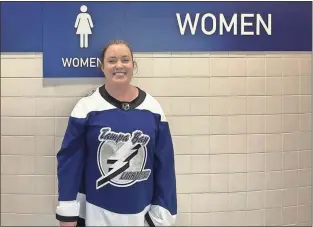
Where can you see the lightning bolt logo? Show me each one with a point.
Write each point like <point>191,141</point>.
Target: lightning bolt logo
<point>117,167</point>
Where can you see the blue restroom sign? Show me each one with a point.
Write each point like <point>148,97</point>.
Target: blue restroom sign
<point>72,34</point>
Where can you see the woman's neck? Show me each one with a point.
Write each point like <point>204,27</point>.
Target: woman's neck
<point>124,93</point>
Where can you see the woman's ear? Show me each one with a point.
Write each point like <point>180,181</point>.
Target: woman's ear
<point>102,67</point>
<point>135,66</point>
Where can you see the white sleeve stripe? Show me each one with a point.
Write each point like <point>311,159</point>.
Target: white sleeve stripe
<point>161,216</point>
<point>68,208</point>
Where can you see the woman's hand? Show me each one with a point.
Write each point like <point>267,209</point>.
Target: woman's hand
<point>68,223</point>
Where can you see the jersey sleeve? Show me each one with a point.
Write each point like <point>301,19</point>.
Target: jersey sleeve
<point>163,209</point>
<point>70,164</point>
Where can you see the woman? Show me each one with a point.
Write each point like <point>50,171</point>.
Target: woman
<point>116,162</point>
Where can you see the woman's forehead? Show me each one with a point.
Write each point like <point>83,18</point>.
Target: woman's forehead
<point>119,49</point>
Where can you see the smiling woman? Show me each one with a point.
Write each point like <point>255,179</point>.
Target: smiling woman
<point>116,163</point>
<point>118,65</point>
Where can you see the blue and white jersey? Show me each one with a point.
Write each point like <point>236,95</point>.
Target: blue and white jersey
<point>116,163</point>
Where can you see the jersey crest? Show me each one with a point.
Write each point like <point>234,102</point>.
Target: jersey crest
<point>122,158</point>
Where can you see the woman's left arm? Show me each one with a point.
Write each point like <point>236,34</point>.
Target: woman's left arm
<point>163,209</point>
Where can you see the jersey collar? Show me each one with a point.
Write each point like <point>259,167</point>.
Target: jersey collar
<point>120,104</point>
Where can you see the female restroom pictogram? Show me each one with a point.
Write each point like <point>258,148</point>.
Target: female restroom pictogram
<point>83,24</point>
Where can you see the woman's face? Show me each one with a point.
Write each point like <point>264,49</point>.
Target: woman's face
<point>118,64</point>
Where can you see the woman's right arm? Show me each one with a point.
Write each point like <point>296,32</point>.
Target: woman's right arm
<point>70,165</point>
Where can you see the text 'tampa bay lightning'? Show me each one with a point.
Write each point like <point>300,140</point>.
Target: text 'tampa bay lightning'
<point>122,157</point>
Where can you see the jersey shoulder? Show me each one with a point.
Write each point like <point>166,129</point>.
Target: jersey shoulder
<point>152,104</point>
<point>92,101</point>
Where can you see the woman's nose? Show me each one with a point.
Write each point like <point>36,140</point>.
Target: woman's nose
<point>119,64</point>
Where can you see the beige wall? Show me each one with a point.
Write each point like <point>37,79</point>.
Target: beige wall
<point>241,124</point>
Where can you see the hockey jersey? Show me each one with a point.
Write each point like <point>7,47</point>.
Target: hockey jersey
<point>116,163</point>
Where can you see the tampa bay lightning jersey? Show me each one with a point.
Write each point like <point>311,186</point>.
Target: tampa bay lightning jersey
<point>116,163</point>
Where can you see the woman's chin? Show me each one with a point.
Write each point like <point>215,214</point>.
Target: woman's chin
<point>120,79</point>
